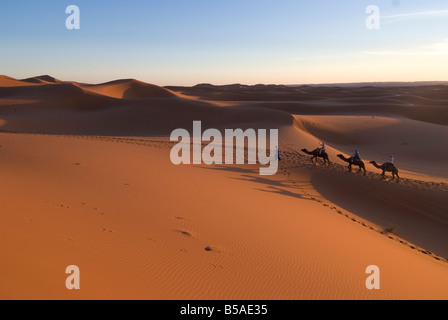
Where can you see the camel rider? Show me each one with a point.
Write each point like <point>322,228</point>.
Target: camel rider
<point>391,159</point>
<point>356,155</point>
<point>277,154</point>
<point>322,149</point>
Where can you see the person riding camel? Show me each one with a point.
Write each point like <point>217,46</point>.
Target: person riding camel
<point>356,155</point>
<point>391,159</point>
<point>277,154</point>
<point>322,148</point>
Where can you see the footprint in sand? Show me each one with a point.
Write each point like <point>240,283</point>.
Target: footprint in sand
<point>62,206</point>
<point>184,233</point>
<point>212,249</point>
<point>190,235</point>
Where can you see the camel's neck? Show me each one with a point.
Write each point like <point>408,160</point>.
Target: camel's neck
<point>342,157</point>
<point>376,165</point>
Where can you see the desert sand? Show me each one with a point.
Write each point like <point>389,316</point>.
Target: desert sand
<point>86,180</point>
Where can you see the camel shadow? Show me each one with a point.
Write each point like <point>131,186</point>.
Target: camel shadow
<point>251,175</point>
<point>233,169</point>
<point>263,181</point>
<point>280,187</point>
<point>283,192</point>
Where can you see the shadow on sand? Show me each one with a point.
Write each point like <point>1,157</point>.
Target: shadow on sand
<point>281,187</point>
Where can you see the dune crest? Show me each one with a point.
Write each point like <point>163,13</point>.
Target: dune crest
<point>6,81</point>
<point>45,79</point>
<point>129,89</point>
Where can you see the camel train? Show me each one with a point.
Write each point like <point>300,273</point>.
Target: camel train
<point>354,160</point>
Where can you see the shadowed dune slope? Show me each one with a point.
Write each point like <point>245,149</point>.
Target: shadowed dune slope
<point>424,103</point>
<point>153,118</point>
<point>58,96</point>
<point>123,107</point>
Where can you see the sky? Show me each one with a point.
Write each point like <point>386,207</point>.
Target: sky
<point>185,42</point>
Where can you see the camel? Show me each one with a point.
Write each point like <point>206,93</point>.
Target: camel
<point>387,167</point>
<point>317,154</point>
<point>351,161</point>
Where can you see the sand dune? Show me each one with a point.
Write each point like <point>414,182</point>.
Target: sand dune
<point>6,81</point>
<point>45,79</point>
<point>67,108</point>
<point>421,103</point>
<point>120,211</point>
<point>415,145</point>
<point>92,163</point>
<point>59,96</point>
<point>151,118</point>
<point>129,89</point>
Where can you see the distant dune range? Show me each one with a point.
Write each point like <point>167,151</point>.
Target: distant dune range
<point>134,100</point>
<point>87,180</point>
<point>123,107</point>
<point>132,108</point>
<point>423,103</point>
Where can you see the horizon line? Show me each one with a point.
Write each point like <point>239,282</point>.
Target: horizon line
<point>239,83</point>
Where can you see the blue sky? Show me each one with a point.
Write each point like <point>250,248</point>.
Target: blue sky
<point>184,42</point>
